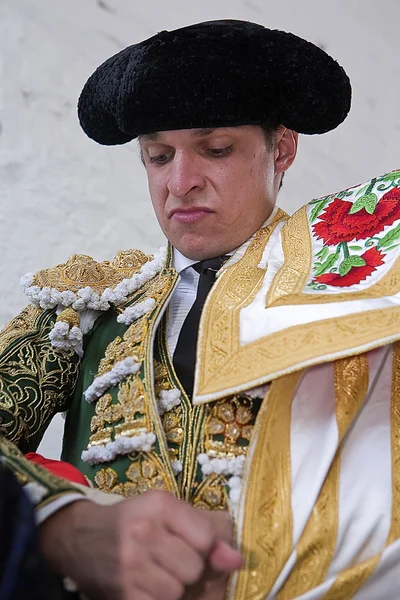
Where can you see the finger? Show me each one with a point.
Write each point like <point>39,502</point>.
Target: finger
<point>223,558</point>
<point>191,525</point>
<point>222,524</point>
<point>178,558</point>
<point>135,594</point>
<point>140,570</point>
<point>158,583</point>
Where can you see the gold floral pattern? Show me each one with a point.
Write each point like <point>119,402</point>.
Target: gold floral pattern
<point>211,494</point>
<point>143,474</point>
<point>120,348</point>
<point>229,426</point>
<point>131,408</point>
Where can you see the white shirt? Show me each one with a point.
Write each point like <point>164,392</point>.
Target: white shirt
<point>182,298</point>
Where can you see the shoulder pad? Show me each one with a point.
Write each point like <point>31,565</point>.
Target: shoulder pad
<point>81,271</point>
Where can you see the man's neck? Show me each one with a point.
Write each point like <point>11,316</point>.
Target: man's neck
<point>181,262</point>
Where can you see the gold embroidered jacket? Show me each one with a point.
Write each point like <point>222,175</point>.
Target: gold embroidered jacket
<point>297,366</point>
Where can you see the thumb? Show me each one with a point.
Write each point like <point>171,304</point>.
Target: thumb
<point>224,558</point>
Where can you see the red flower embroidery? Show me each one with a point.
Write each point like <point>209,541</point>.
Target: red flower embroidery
<point>337,225</point>
<point>373,259</point>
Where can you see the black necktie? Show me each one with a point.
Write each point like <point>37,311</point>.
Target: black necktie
<point>185,352</point>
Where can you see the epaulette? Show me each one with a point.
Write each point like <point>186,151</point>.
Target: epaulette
<point>81,271</point>
<point>82,284</point>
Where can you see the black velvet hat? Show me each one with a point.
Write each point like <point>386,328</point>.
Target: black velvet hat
<point>214,74</point>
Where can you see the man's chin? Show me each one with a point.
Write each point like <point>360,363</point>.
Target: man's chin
<point>199,249</point>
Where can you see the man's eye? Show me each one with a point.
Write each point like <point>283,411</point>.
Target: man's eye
<point>159,159</point>
<point>219,151</point>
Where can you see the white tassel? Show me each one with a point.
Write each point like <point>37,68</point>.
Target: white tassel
<point>120,371</point>
<point>122,445</point>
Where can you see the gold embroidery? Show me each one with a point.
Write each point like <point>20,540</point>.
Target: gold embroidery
<point>394,533</point>
<point>106,479</point>
<point>81,271</point>
<point>297,245</point>
<point>266,530</point>
<point>172,426</point>
<point>160,289</point>
<point>289,350</point>
<point>36,381</point>
<point>120,348</point>
<point>26,471</point>
<point>348,582</point>
<point>218,342</point>
<point>143,474</point>
<point>228,422</point>
<point>70,316</point>
<point>284,351</point>
<point>317,544</point>
<point>131,408</point>
<point>294,273</point>
<point>211,494</point>
<point>24,323</point>
<point>191,420</point>
<point>130,261</point>
<point>161,381</point>
<point>132,398</point>
<point>351,580</point>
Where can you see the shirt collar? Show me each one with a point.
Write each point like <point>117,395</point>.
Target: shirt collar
<point>181,262</point>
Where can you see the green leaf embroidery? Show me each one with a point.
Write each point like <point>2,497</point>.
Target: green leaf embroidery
<point>348,263</point>
<point>325,266</point>
<point>355,248</point>
<point>316,200</point>
<point>390,237</point>
<point>319,206</point>
<point>391,247</point>
<point>369,202</point>
<point>362,191</point>
<point>391,176</point>
<point>322,254</point>
<point>344,194</point>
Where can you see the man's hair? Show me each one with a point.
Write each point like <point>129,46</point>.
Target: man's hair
<point>269,130</point>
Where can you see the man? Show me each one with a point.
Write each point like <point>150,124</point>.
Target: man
<point>249,366</point>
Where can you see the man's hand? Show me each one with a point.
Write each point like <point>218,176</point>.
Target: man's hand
<point>152,547</point>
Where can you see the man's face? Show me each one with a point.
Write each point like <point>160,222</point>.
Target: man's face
<point>211,189</point>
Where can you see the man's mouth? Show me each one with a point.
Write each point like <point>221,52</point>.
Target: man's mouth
<point>189,215</point>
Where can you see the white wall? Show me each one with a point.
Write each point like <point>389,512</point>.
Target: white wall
<point>61,193</point>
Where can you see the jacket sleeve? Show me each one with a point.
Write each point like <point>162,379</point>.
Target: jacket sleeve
<point>36,380</point>
<point>41,486</point>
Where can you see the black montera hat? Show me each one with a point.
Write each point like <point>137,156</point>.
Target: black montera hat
<point>214,74</point>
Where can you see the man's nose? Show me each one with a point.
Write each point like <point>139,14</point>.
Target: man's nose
<point>184,175</point>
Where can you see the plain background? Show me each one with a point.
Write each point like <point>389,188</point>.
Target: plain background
<point>60,193</point>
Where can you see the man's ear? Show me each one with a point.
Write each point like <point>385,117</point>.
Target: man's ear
<point>285,148</point>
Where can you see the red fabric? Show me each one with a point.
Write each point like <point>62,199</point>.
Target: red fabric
<point>337,225</point>
<point>373,258</point>
<point>58,468</point>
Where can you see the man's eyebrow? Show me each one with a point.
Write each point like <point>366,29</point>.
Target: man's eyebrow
<point>202,132</point>
<point>149,137</point>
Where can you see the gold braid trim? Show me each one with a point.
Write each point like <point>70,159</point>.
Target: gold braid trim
<point>28,472</point>
<point>317,544</point>
<point>266,527</point>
